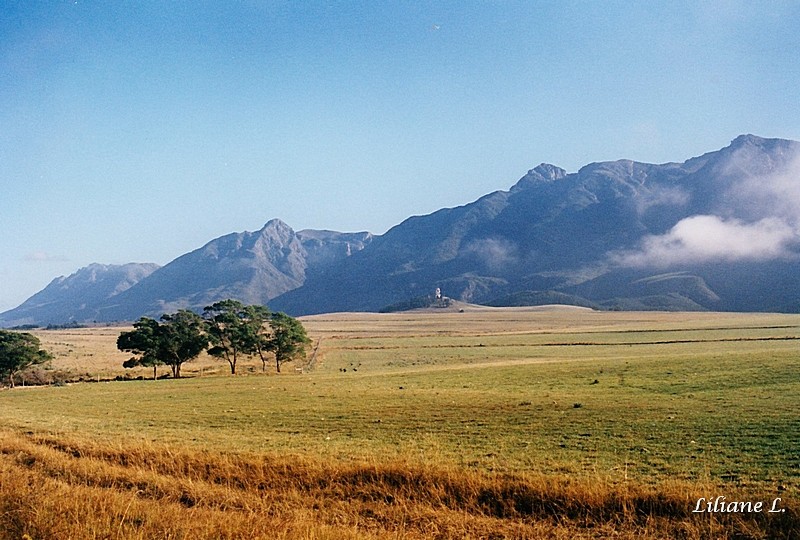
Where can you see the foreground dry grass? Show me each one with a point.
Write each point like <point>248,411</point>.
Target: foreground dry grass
<point>58,488</point>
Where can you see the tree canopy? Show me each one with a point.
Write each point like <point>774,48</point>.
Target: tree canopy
<point>228,331</point>
<point>235,330</point>
<point>256,319</point>
<point>19,351</point>
<point>179,338</point>
<point>228,328</point>
<point>288,339</point>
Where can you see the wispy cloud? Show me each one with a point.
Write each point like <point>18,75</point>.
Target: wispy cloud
<point>495,253</point>
<point>43,256</point>
<point>699,239</point>
<point>662,196</point>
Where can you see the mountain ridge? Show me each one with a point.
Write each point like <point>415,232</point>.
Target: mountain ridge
<point>717,231</point>
<point>553,231</point>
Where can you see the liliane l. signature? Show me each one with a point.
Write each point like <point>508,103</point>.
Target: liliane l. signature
<point>719,504</point>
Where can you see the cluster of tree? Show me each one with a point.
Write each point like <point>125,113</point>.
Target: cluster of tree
<point>228,330</point>
<point>19,351</point>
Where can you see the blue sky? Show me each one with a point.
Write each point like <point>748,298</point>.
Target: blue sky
<point>135,131</point>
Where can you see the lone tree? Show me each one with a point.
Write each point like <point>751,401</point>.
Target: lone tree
<point>19,351</point>
<point>142,340</point>
<point>288,340</point>
<point>255,318</point>
<point>228,330</point>
<point>176,340</point>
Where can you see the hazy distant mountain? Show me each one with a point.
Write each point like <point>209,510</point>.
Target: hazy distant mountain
<point>253,267</point>
<point>719,231</point>
<point>78,296</point>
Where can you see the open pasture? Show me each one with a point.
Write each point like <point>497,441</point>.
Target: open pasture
<point>685,405</point>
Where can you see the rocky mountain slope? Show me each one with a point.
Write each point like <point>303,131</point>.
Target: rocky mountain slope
<point>718,231</point>
<point>253,267</point>
<point>78,296</point>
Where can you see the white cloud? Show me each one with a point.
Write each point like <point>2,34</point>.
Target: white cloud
<point>755,218</point>
<point>704,238</point>
<point>777,194</point>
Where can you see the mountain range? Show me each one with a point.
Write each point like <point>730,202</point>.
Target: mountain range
<point>717,232</point>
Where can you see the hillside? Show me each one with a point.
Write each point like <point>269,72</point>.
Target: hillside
<point>253,267</point>
<point>78,297</point>
<point>716,232</point>
<point>722,225</point>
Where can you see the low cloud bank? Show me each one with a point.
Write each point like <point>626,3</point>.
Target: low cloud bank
<point>756,218</point>
<point>700,239</point>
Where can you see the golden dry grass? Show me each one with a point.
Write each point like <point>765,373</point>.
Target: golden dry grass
<point>52,487</point>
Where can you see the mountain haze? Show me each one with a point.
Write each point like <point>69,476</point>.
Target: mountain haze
<point>720,231</point>
<point>78,297</point>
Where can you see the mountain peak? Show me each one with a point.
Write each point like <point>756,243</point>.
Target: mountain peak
<point>547,172</point>
<point>542,173</point>
<point>746,139</point>
<point>275,231</point>
<point>762,143</point>
<point>275,224</point>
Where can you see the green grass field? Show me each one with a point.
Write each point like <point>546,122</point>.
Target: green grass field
<point>649,398</point>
